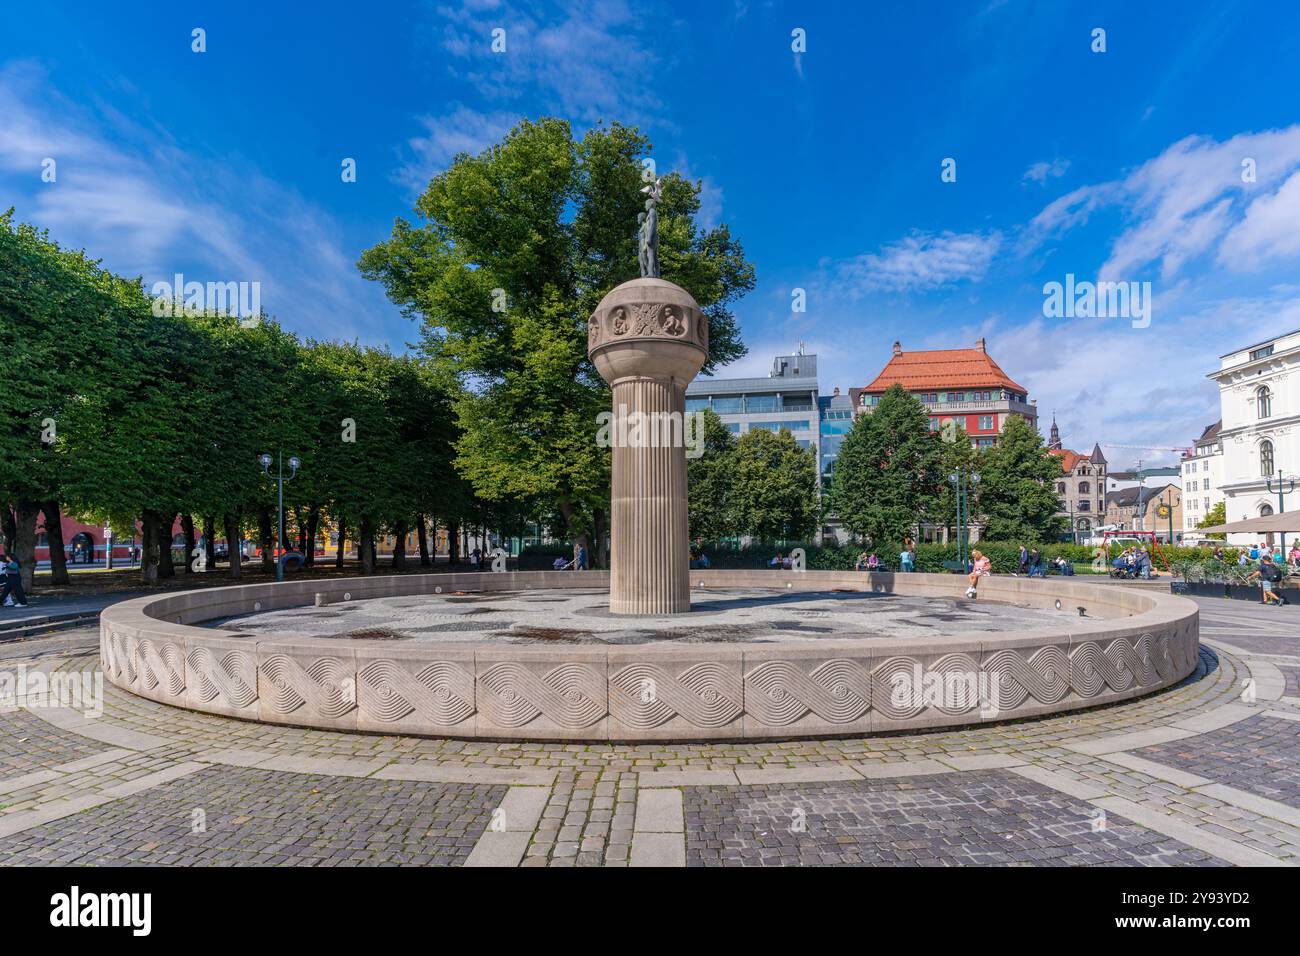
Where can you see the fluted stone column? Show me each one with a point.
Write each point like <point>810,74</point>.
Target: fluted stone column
<point>648,339</point>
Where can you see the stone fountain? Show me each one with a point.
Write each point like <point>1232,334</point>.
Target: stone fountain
<point>648,339</point>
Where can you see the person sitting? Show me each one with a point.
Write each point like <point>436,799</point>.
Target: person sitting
<point>775,563</point>
<point>981,567</point>
<point>873,562</point>
<point>1063,567</point>
<point>862,562</point>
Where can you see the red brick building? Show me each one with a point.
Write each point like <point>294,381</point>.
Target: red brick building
<point>962,386</point>
<point>89,538</point>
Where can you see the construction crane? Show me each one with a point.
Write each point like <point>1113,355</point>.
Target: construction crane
<point>1111,444</point>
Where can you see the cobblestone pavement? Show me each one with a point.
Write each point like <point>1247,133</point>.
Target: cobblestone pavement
<point>1204,773</point>
<point>982,817</point>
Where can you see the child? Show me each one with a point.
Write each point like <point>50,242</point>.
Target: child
<point>981,568</point>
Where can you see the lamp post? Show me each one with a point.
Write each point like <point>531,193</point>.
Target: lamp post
<point>280,478</point>
<point>108,548</point>
<point>963,508</point>
<point>1166,510</point>
<point>1281,493</point>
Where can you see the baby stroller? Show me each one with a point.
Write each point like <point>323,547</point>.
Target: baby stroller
<point>1122,569</point>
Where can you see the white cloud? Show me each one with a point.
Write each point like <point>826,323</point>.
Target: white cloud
<point>1041,172</point>
<point>1270,230</point>
<point>459,131</point>
<point>1188,200</point>
<point>922,261</point>
<point>151,208</point>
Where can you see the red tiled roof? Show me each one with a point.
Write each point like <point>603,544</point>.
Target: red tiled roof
<point>1068,459</point>
<point>943,368</point>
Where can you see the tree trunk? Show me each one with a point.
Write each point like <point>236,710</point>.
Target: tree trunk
<point>24,545</point>
<point>313,526</point>
<point>166,567</point>
<point>149,547</point>
<point>343,530</point>
<point>453,542</point>
<point>366,546</point>
<point>187,529</point>
<point>399,546</point>
<point>266,538</point>
<point>232,545</point>
<point>54,539</point>
<point>209,542</point>
<point>10,529</point>
<point>422,534</point>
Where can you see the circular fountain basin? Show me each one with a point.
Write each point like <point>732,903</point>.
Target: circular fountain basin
<point>537,655</point>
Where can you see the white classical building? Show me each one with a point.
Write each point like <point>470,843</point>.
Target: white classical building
<point>1259,396</point>
<point>1202,475</point>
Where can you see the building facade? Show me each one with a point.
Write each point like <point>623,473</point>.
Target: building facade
<point>962,387</point>
<point>787,398</point>
<point>1141,508</point>
<point>1081,487</point>
<point>1259,402</point>
<point>1202,474</point>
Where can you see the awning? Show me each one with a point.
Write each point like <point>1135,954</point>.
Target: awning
<point>1288,521</point>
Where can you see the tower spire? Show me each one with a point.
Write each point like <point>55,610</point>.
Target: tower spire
<point>1055,440</point>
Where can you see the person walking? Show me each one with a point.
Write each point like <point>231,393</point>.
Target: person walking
<point>1022,562</point>
<point>981,567</point>
<point>580,557</point>
<point>1270,575</point>
<point>12,595</point>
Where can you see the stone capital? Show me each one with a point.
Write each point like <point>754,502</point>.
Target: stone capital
<point>648,328</point>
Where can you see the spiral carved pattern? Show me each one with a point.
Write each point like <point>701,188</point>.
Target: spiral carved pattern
<point>323,686</point>
<point>1045,677</point>
<point>442,692</point>
<point>233,677</point>
<point>646,695</point>
<point>161,662</point>
<point>571,696</point>
<point>778,693</point>
<point>122,657</point>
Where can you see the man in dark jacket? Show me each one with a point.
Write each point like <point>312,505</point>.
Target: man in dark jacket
<point>13,595</point>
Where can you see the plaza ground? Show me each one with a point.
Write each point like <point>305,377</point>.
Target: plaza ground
<point>1205,774</point>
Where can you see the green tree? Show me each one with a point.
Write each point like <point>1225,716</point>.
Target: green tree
<point>773,486</point>
<point>516,248</point>
<point>1016,499</point>
<point>709,482</point>
<point>889,473</point>
<point>1215,516</point>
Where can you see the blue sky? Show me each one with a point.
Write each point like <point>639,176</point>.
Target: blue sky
<point>1124,165</point>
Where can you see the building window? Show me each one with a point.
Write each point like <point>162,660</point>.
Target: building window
<point>1085,470</point>
<point>1264,401</point>
<point>1266,351</point>
<point>697,404</point>
<point>986,422</point>
<point>1060,487</point>
<point>728,406</point>
<point>1207,504</point>
<point>1265,510</point>
<point>1266,458</point>
<point>1083,505</point>
<point>934,424</point>
<point>1084,487</point>
<point>984,443</point>
<point>1194,486</point>
<point>761,403</point>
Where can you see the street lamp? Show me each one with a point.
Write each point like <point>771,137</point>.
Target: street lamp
<point>280,478</point>
<point>962,500</point>
<point>1281,493</point>
<point>108,548</point>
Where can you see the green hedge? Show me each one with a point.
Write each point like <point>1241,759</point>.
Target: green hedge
<point>930,557</point>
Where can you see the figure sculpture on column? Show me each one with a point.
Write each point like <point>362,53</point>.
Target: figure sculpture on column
<point>648,251</point>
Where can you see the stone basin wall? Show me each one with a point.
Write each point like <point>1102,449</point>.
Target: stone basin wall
<point>1144,641</point>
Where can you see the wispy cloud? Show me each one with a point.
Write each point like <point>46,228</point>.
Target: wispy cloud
<point>150,207</point>
<point>1196,196</point>
<point>461,130</point>
<point>1041,172</point>
<point>922,261</point>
